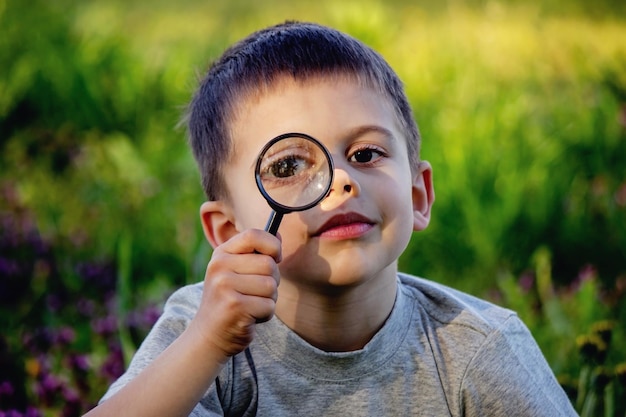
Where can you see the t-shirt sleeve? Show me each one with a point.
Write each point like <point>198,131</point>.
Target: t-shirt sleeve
<point>179,310</point>
<point>509,376</point>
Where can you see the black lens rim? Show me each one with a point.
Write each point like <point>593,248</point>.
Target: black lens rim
<point>257,175</point>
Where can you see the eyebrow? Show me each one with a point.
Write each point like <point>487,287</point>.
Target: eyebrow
<point>363,130</point>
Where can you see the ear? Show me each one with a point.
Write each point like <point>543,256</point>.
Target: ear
<point>217,222</point>
<point>423,196</point>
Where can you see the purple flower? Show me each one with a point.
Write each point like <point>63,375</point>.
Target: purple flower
<point>100,276</point>
<point>70,396</point>
<point>65,335</point>
<point>54,302</point>
<point>587,273</point>
<point>526,282</point>
<point>105,326</point>
<point>86,307</point>
<point>39,340</point>
<point>151,315</point>
<point>8,267</point>
<point>113,366</point>
<point>48,388</point>
<point>11,413</point>
<point>6,389</point>
<point>32,412</point>
<point>79,363</point>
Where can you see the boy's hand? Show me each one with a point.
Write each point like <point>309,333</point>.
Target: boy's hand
<point>240,290</point>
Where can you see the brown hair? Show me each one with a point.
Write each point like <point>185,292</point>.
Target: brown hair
<point>296,49</point>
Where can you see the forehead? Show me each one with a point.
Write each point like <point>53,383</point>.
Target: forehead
<point>321,107</point>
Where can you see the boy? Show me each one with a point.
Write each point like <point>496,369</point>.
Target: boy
<point>318,321</point>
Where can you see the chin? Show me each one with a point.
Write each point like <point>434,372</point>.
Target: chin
<point>346,277</point>
<point>338,267</point>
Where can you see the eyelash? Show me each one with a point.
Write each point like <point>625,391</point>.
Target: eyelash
<point>375,150</point>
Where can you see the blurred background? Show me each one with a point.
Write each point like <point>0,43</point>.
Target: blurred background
<point>522,109</point>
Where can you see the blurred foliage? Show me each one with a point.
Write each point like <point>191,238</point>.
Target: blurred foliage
<point>522,109</point>
<point>524,123</point>
<point>580,328</point>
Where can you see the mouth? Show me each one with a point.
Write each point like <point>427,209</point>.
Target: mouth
<point>348,225</point>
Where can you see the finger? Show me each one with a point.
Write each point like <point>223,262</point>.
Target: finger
<point>243,264</point>
<point>251,241</point>
<point>224,275</point>
<point>253,264</point>
<point>261,308</point>
<point>264,286</point>
<point>245,308</point>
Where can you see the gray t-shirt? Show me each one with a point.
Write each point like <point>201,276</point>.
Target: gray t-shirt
<point>440,353</point>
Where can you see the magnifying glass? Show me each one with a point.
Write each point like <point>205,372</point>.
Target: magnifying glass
<point>294,172</point>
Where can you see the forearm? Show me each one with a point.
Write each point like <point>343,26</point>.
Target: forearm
<point>171,385</point>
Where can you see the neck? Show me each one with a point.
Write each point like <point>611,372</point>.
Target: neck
<point>337,319</point>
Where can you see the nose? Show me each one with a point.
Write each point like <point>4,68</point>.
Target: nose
<point>344,183</point>
<point>344,186</point>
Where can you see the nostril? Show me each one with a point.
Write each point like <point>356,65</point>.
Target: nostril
<point>347,188</point>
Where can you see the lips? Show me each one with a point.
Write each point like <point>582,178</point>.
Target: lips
<point>349,223</point>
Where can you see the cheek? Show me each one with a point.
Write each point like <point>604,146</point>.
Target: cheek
<point>251,210</point>
<point>394,191</point>
<point>293,233</point>
<point>396,201</point>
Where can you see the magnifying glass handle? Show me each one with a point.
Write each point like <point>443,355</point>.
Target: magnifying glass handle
<point>273,222</point>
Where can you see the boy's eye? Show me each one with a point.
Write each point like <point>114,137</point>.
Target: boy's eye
<point>363,156</point>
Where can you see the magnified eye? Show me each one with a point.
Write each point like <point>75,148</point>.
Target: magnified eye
<point>288,167</point>
<point>285,167</point>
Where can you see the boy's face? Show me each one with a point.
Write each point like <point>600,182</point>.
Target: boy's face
<point>360,229</point>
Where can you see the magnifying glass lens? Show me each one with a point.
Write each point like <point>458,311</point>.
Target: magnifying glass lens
<point>294,172</point>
